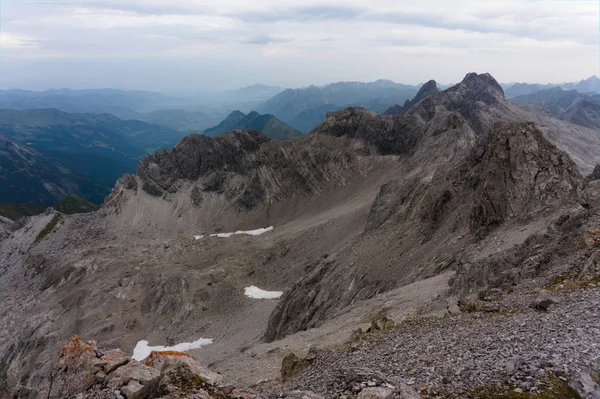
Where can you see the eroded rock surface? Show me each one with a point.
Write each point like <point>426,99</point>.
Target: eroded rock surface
<point>85,370</point>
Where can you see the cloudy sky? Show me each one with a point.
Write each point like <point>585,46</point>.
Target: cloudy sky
<point>189,45</point>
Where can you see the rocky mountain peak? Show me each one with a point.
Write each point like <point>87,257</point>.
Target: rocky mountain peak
<point>516,172</point>
<point>236,114</point>
<point>484,86</point>
<point>241,167</point>
<point>426,90</point>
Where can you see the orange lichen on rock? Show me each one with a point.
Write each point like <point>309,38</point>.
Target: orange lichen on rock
<point>75,346</point>
<point>156,354</point>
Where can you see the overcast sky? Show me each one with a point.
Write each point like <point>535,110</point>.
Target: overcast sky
<point>187,45</point>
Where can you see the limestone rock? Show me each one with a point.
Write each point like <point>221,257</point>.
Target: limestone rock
<point>585,386</point>
<point>590,196</point>
<point>452,306</point>
<point>302,395</point>
<point>177,362</point>
<point>543,301</point>
<point>114,359</point>
<point>148,377</point>
<point>375,393</point>
<point>428,89</point>
<point>77,365</point>
<point>292,365</point>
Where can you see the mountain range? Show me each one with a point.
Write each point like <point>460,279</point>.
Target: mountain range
<point>450,250</point>
<point>305,108</point>
<point>267,124</point>
<point>570,105</point>
<point>589,85</point>
<point>50,154</point>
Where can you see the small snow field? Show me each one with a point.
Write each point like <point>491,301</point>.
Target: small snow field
<point>256,232</point>
<point>142,350</point>
<point>257,293</point>
<point>198,237</point>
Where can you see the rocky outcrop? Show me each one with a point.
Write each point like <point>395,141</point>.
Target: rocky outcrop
<point>585,386</point>
<point>512,173</point>
<point>428,89</point>
<point>388,136</point>
<point>510,176</point>
<point>246,168</point>
<point>86,370</point>
<point>596,173</point>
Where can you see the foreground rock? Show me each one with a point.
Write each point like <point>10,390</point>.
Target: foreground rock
<point>85,370</point>
<point>537,354</point>
<point>585,386</point>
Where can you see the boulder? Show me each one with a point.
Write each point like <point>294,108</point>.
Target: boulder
<point>585,386</point>
<point>590,195</point>
<point>302,395</point>
<point>491,307</point>
<point>543,301</point>
<point>452,306</point>
<point>147,377</point>
<point>77,365</point>
<point>172,362</point>
<point>376,393</point>
<point>404,391</point>
<point>114,359</point>
<point>292,365</point>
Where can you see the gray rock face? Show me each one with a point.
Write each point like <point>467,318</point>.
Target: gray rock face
<point>596,173</point>
<point>512,174</point>
<point>543,301</point>
<point>515,172</point>
<point>386,135</point>
<point>585,386</point>
<point>590,196</point>
<point>86,371</point>
<point>428,89</point>
<point>375,393</point>
<point>245,167</point>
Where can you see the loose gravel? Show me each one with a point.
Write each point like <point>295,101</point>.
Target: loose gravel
<point>513,349</point>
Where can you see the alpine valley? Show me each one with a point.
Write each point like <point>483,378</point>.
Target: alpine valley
<point>417,242</point>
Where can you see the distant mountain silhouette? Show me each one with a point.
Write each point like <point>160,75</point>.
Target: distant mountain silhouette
<point>267,124</point>
<point>589,85</point>
<point>570,105</point>
<point>312,101</point>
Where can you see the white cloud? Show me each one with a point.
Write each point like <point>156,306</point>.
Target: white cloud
<point>18,41</point>
<point>240,42</point>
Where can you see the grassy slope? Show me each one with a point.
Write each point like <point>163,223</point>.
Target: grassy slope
<point>16,211</point>
<point>68,205</point>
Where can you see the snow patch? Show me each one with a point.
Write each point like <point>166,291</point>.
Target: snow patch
<point>142,350</point>
<point>257,293</point>
<point>256,232</point>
